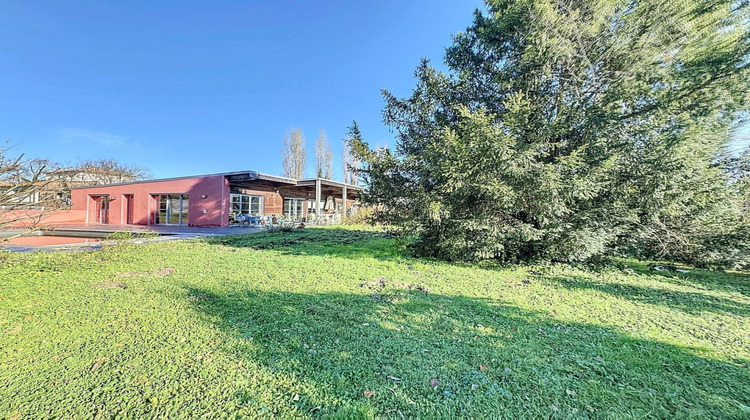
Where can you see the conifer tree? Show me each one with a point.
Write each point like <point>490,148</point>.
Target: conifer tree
<point>568,129</point>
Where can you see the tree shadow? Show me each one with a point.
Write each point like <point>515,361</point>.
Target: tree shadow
<point>731,282</point>
<point>352,243</point>
<point>689,302</point>
<point>386,350</point>
<point>363,243</point>
<point>338,242</point>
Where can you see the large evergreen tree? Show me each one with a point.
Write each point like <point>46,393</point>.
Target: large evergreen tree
<point>566,129</point>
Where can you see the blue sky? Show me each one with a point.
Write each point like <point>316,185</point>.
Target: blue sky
<point>200,87</point>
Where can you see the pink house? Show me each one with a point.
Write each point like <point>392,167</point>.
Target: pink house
<point>212,200</point>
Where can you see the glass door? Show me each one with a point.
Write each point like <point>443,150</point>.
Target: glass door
<point>173,209</point>
<point>161,215</point>
<point>128,208</point>
<point>102,209</point>
<point>293,208</point>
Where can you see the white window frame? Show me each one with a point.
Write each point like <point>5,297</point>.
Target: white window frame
<point>249,203</point>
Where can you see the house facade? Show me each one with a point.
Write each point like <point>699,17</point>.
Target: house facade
<point>213,200</point>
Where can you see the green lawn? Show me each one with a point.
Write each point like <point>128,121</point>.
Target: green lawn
<point>338,322</point>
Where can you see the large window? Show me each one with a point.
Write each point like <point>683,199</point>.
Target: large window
<point>245,204</point>
<point>311,206</point>
<point>173,209</point>
<point>293,208</point>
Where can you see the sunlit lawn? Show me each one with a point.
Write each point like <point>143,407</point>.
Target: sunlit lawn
<point>339,322</point>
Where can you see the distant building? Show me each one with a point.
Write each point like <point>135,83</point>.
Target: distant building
<point>11,198</point>
<point>53,190</point>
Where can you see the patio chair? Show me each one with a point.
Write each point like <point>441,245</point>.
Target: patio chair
<point>243,219</point>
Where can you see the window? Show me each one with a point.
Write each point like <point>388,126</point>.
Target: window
<point>293,208</point>
<point>173,209</point>
<point>255,207</point>
<point>311,206</point>
<point>245,204</point>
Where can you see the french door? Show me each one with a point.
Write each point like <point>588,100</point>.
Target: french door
<point>173,209</point>
<point>128,200</point>
<point>293,208</point>
<point>101,212</point>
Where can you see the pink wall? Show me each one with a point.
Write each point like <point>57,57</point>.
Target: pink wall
<point>215,188</point>
<point>29,218</point>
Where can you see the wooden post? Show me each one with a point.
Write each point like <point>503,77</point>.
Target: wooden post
<point>317,200</point>
<point>343,195</point>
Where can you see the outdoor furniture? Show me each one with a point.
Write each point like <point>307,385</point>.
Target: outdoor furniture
<point>243,220</point>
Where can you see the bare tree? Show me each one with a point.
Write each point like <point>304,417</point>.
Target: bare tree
<point>100,172</point>
<point>24,189</point>
<point>94,172</point>
<point>350,165</point>
<point>293,154</point>
<point>323,157</point>
<point>31,188</point>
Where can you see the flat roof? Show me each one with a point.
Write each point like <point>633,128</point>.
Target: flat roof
<point>311,181</point>
<point>254,175</point>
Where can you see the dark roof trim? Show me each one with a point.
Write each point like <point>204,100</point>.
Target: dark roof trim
<point>311,182</point>
<point>143,181</point>
<point>251,176</point>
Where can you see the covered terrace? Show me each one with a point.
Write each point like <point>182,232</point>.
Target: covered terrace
<point>315,200</point>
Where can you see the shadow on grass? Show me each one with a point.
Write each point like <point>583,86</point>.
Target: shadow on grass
<point>389,351</point>
<point>689,302</point>
<point>732,282</point>
<point>340,242</point>
<point>355,243</point>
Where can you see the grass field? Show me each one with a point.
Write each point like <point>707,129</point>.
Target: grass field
<point>338,322</point>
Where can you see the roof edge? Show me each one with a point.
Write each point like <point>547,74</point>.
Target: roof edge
<point>255,174</point>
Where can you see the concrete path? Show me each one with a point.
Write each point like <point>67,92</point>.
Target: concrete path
<point>166,233</point>
<point>162,229</point>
